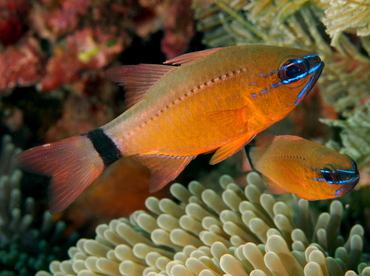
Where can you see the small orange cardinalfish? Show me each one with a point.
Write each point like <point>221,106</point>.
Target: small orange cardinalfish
<point>217,100</point>
<point>291,164</point>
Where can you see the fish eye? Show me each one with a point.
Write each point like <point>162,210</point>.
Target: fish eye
<point>293,70</point>
<point>328,176</point>
<point>333,175</point>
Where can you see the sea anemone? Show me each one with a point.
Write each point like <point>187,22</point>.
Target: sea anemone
<point>27,243</point>
<point>235,232</point>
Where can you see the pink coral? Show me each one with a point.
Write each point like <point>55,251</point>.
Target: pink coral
<point>85,49</point>
<point>53,20</point>
<point>79,115</point>
<point>20,65</point>
<point>12,14</point>
<point>60,70</point>
<point>174,17</point>
<point>178,29</point>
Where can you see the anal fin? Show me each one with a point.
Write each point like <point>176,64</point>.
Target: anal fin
<point>230,148</point>
<point>163,168</point>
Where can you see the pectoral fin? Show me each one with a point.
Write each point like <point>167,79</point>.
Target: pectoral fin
<point>163,168</point>
<point>273,187</point>
<point>230,148</point>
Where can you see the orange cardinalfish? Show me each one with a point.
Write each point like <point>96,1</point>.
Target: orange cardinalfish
<point>217,100</point>
<point>291,164</point>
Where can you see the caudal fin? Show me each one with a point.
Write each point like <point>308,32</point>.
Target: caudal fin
<point>73,164</point>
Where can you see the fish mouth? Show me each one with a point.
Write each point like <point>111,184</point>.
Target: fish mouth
<point>315,68</point>
<point>350,181</point>
<point>350,184</point>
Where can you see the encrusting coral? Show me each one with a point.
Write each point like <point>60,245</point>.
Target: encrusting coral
<point>235,232</point>
<point>24,247</point>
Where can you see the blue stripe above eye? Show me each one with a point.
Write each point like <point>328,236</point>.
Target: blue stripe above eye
<point>310,56</point>
<point>345,171</point>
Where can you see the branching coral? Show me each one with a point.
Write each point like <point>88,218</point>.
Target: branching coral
<point>347,15</point>
<point>233,233</point>
<point>354,135</point>
<point>24,247</point>
<point>273,22</point>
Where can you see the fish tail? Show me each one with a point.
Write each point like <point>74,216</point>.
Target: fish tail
<point>73,163</point>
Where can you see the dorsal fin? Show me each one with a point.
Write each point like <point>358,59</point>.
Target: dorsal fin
<point>190,57</point>
<point>137,79</point>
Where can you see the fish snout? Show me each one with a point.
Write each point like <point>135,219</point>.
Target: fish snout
<point>348,178</point>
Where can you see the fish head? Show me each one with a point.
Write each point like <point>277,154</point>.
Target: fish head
<point>295,75</point>
<point>337,178</point>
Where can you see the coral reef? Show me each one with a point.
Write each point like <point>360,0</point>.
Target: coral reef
<point>26,245</point>
<point>12,20</point>
<point>234,232</point>
<point>54,43</point>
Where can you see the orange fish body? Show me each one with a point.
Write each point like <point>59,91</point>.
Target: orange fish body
<point>291,164</point>
<point>217,99</point>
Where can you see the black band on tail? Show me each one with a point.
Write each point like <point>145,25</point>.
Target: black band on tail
<point>107,150</point>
